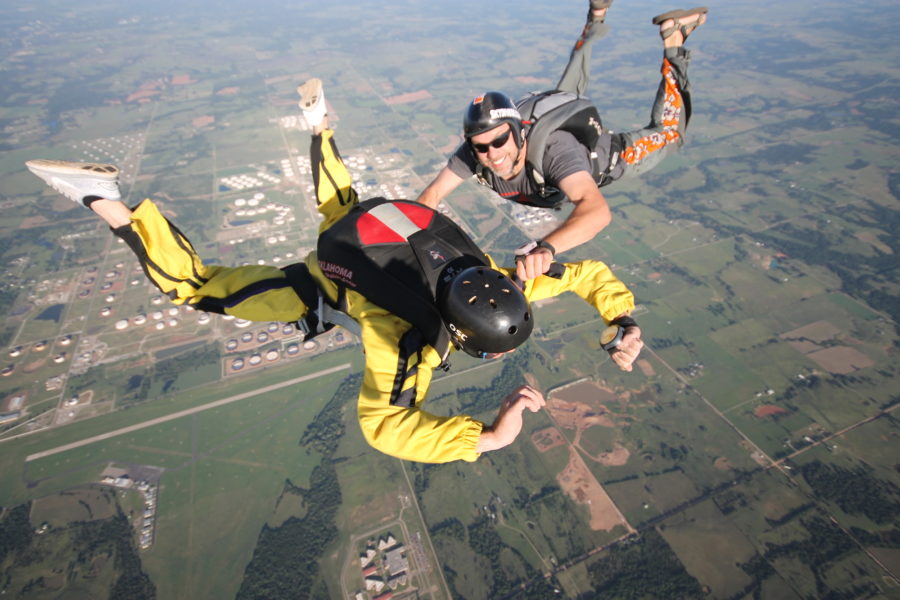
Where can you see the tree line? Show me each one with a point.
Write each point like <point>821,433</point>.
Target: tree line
<point>855,491</point>
<point>285,562</point>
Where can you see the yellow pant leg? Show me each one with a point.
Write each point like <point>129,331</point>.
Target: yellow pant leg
<point>334,185</point>
<point>256,293</point>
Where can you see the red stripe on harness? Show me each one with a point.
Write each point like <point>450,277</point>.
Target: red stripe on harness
<point>371,230</point>
<point>418,214</point>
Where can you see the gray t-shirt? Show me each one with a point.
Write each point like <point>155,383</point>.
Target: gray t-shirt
<point>563,156</point>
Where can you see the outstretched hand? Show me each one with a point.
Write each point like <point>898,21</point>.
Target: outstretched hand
<point>628,349</point>
<point>508,424</point>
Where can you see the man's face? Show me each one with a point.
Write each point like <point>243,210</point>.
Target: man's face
<point>502,160</point>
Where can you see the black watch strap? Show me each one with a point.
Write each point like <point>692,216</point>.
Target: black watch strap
<point>624,321</point>
<point>548,246</point>
<point>526,249</point>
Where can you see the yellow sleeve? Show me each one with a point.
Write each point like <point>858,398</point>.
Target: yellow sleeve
<point>395,382</point>
<point>591,280</point>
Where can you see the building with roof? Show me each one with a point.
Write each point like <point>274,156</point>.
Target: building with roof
<point>384,544</point>
<point>396,561</point>
<point>375,584</point>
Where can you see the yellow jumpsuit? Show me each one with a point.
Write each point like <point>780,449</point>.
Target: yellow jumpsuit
<point>399,366</point>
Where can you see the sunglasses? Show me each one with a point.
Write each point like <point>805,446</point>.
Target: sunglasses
<point>497,142</point>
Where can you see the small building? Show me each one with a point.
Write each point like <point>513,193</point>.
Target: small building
<point>374,583</point>
<point>9,417</point>
<point>397,580</point>
<point>384,544</point>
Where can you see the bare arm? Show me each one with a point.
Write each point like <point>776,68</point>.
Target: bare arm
<point>445,182</point>
<point>508,423</point>
<point>590,216</point>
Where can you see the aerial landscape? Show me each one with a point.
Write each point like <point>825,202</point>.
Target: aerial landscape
<point>149,450</point>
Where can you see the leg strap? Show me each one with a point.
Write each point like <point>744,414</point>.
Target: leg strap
<point>321,314</point>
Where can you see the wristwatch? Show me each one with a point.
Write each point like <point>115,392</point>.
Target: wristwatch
<point>611,337</point>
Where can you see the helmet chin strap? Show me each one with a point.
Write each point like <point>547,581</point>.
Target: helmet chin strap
<point>516,166</point>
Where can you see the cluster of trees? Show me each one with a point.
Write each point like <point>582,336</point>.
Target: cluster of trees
<point>729,501</point>
<point>326,430</point>
<point>663,343</point>
<point>422,476</point>
<point>451,527</point>
<point>646,568</point>
<point>484,539</point>
<point>672,453</point>
<point>677,270</point>
<point>477,400</point>
<point>285,562</point>
<point>855,491</point>
<point>717,308</point>
<point>861,278</point>
<point>15,531</point>
<point>522,499</point>
<point>789,515</point>
<point>826,543</point>
<point>169,369</point>
<point>620,479</point>
<point>878,539</point>
<point>8,295</point>
<point>759,569</point>
<point>809,382</point>
<point>132,583</point>
<point>112,537</point>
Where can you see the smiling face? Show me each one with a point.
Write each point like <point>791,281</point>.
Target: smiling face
<point>496,149</point>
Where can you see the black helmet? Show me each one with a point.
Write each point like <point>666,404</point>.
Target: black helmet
<point>485,312</point>
<point>489,111</point>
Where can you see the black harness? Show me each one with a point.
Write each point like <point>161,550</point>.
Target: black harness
<point>397,254</point>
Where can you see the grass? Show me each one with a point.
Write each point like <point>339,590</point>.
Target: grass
<point>83,504</point>
<point>598,439</point>
<point>710,549</point>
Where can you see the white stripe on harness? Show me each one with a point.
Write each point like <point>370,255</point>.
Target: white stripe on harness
<point>395,219</point>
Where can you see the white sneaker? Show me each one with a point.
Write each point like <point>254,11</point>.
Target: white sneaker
<point>312,101</point>
<point>80,182</point>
